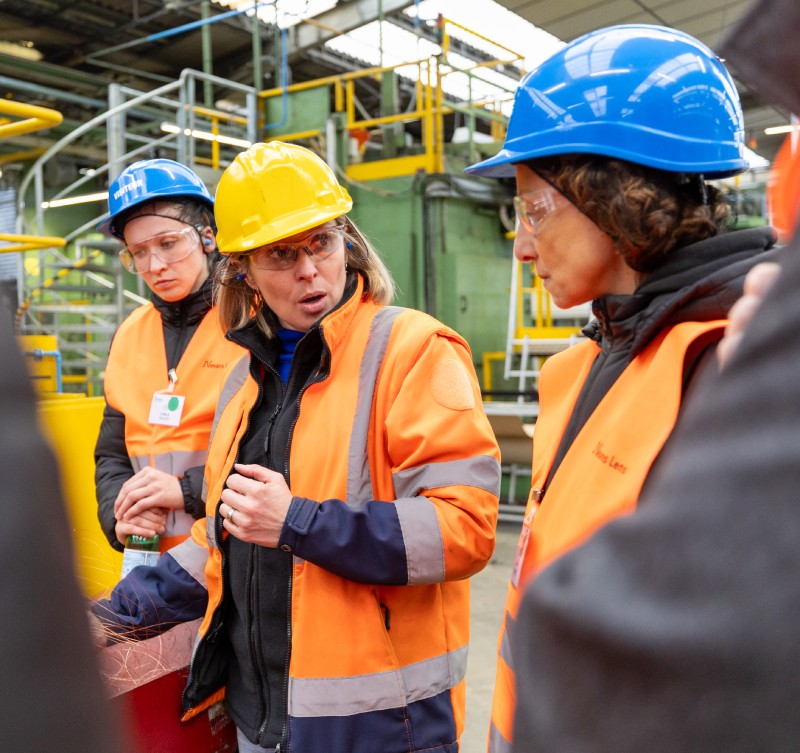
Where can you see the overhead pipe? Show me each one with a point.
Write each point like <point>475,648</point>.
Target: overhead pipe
<point>173,32</point>
<point>284,77</point>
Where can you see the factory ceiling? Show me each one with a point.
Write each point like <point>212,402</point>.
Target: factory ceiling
<point>83,45</point>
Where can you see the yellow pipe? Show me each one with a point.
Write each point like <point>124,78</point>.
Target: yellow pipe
<point>21,156</point>
<point>29,242</point>
<point>36,118</point>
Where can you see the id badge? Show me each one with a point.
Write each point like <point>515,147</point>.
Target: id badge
<point>166,409</point>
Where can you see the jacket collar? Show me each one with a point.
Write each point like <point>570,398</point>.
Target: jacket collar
<point>699,282</point>
<point>187,311</point>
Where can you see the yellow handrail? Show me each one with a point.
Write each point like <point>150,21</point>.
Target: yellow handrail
<point>29,242</point>
<point>35,118</point>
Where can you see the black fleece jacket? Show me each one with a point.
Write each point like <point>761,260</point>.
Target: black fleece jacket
<point>112,464</point>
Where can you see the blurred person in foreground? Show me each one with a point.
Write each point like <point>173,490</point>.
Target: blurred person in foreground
<point>52,697</point>
<point>352,483</point>
<point>613,141</point>
<point>675,629</point>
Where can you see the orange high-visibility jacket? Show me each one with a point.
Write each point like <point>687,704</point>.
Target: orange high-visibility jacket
<point>601,474</point>
<point>137,368</point>
<point>398,419</point>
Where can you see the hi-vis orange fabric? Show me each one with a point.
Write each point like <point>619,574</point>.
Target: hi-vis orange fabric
<point>137,369</point>
<point>398,419</point>
<point>602,473</point>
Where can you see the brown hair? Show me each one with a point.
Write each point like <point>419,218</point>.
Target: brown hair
<point>238,303</point>
<point>646,212</point>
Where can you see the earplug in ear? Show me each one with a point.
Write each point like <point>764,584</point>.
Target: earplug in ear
<point>208,242</point>
<point>240,277</point>
<point>348,245</point>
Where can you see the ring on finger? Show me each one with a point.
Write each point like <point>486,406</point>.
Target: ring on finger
<point>230,514</point>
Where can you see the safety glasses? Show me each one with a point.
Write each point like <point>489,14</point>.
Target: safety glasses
<point>535,207</point>
<point>169,247</point>
<point>319,245</point>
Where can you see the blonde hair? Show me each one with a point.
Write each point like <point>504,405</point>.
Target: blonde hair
<point>238,303</point>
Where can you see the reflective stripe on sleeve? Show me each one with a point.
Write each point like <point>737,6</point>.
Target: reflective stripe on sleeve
<point>344,696</point>
<point>192,558</point>
<point>422,539</point>
<point>482,472</point>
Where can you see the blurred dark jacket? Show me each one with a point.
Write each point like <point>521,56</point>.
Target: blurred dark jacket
<point>51,696</point>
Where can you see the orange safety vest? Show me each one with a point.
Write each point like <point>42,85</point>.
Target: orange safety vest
<point>399,419</point>
<point>137,369</point>
<point>602,473</point>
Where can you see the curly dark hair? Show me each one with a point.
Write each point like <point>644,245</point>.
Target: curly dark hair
<point>646,212</point>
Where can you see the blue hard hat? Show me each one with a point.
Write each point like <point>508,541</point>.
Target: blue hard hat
<point>647,94</point>
<point>151,180</point>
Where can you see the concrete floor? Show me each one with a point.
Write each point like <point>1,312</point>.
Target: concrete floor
<point>488,598</point>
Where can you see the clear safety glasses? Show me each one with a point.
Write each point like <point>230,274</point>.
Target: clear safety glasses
<point>319,245</point>
<point>535,207</point>
<point>169,247</point>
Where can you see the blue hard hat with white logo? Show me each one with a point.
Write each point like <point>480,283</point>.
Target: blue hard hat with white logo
<point>647,94</point>
<point>151,180</point>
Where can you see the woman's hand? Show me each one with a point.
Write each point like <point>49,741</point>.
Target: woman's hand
<point>146,490</point>
<point>148,524</point>
<point>758,281</point>
<point>254,504</point>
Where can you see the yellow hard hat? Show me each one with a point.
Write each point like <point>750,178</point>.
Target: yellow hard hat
<point>273,191</point>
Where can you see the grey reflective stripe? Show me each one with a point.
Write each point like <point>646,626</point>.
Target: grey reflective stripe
<point>178,523</point>
<point>497,743</point>
<point>423,540</point>
<point>505,643</point>
<point>192,558</point>
<point>236,378</point>
<point>344,696</point>
<point>482,471</point>
<point>211,535</point>
<point>174,463</point>
<point>359,480</point>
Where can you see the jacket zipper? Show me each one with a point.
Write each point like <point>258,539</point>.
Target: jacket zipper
<point>218,530</point>
<point>316,377</point>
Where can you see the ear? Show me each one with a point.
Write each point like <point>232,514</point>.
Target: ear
<point>208,241</point>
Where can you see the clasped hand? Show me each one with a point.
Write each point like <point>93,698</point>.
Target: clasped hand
<point>143,502</point>
<point>254,504</point>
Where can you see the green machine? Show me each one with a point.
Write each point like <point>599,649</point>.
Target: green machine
<point>444,236</point>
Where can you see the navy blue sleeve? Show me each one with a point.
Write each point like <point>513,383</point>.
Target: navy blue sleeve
<point>364,545</point>
<point>151,600</point>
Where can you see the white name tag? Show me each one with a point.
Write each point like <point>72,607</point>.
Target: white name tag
<point>166,409</point>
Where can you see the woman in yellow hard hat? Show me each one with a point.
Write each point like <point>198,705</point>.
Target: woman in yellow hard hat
<point>352,485</point>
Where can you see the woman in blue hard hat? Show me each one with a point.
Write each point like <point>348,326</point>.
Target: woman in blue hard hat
<point>166,360</point>
<point>611,141</point>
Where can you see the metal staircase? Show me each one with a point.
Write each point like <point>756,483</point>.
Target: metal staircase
<point>73,287</point>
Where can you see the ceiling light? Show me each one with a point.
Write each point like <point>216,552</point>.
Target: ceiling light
<point>85,199</point>
<point>774,130</point>
<point>206,136</point>
<point>24,50</point>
